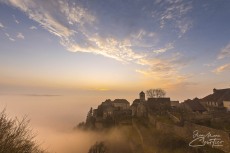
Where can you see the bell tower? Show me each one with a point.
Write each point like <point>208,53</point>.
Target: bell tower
<point>142,96</point>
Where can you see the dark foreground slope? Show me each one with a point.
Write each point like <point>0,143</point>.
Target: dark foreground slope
<point>142,137</point>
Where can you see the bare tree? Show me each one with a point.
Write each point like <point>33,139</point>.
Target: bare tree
<point>15,137</point>
<point>155,93</point>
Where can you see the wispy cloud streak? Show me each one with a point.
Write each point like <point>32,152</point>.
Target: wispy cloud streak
<point>1,25</point>
<point>222,68</point>
<point>225,52</point>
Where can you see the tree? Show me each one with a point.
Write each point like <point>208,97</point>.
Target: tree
<point>80,125</point>
<point>98,148</point>
<point>16,137</point>
<point>89,115</point>
<point>156,93</point>
<point>90,119</point>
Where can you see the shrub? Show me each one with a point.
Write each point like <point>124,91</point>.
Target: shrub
<point>98,147</point>
<point>16,137</point>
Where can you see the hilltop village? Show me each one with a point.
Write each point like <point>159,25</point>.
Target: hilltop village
<point>208,114</point>
<point>200,111</point>
<point>119,111</point>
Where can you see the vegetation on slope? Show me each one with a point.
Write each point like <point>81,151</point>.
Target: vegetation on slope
<point>16,137</point>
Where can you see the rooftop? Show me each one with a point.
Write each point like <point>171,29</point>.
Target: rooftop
<point>219,95</point>
<point>195,104</point>
<point>142,92</point>
<point>121,101</point>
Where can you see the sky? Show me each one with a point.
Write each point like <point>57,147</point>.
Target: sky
<point>114,47</point>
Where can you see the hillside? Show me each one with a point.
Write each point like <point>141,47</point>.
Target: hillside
<point>142,137</point>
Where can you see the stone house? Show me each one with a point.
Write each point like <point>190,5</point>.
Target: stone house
<point>134,105</point>
<point>112,109</point>
<point>158,104</point>
<point>138,106</point>
<point>121,104</point>
<point>138,109</point>
<point>216,100</point>
<point>174,104</point>
<point>193,105</point>
<point>108,111</point>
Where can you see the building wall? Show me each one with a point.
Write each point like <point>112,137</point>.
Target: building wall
<point>159,104</point>
<point>121,105</point>
<point>175,103</point>
<point>141,110</point>
<point>107,112</point>
<point>134,110</point>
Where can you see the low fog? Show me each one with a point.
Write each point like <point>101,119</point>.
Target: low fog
<point>79,141</point>
<point>53,118</point>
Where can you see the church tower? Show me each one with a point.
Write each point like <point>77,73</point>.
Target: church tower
<point>142,96</point>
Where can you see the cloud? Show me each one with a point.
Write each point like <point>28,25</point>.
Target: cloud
<point>9,37</point>
<point>222,68</point>
<point>75,14</point>
<point>167,68</point>
<point>174,12</point>
<point>20,36</point>
<point>68,16</point>
<point>108,47</point>
<point>184,26</point>
<point>81,29</point>
<point>39,11</point>
<point>15,20</point>
<point>33,28</point>
<point>140,34</point>
<point>166,48</point>
<point>225,52</point>
<point>143,39</point>
<point>78,30</point>
<point>1,25</point>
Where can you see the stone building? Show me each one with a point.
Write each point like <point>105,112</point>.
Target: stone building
<point>114,111</point>
<point>174,104</point>
<point>108,112</point>
<point>215,101</point>
<point>121,104</point>
<point>158,105</point>
<point>142,96</point>
<point>193,105</point>
<point>139,106</point>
